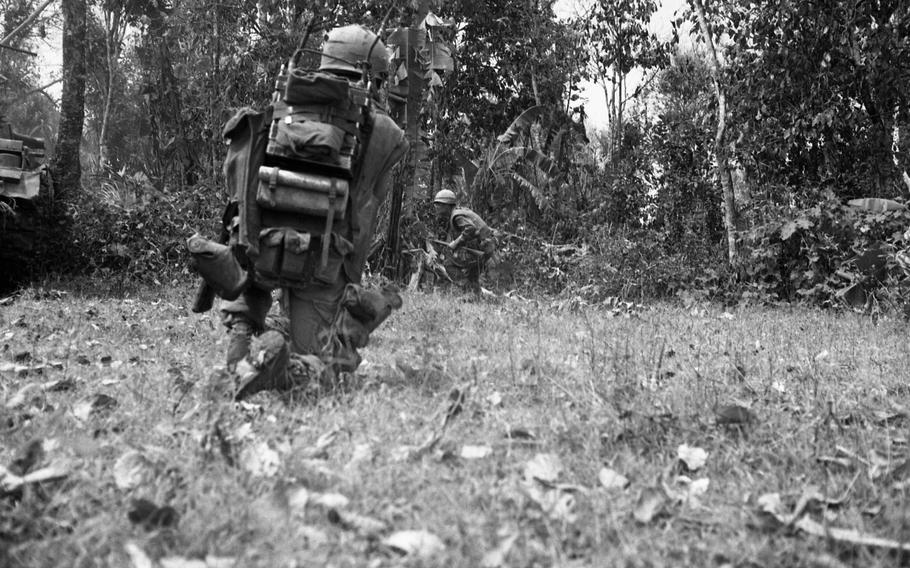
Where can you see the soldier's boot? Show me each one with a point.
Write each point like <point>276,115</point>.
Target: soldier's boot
<point>265,368</point>
<point>241,335</point>
<point>307,372</point>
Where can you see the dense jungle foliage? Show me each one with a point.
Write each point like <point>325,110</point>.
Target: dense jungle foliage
<point>816,103</point>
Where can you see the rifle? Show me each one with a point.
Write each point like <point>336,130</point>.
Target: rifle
<point>205,293</point>
<point>475,252</point>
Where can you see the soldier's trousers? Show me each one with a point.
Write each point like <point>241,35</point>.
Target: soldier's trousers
<point>311,313</point>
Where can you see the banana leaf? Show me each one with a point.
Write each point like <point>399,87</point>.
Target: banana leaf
<point>876,204</point>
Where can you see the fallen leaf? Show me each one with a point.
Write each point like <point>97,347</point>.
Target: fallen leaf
<point>270,509</point>
<point>687,490</point>
<point>699,487</point>
<point>402,453</point>
<point>693,457</point>
<point>298,499</point>
<point>10,482</point>
<point>181,562</point>
<point>60,385</point>
<point>733,414</point>
<point>611,479</point>
<point>407,453</point>
<point>322,443</point>
<point>150,516</point>
<point>138,556</point>
<point>96,405</point>
<point>330,500</point>
<point>361,524</point>
<point>25,395</point>
<point>28,457</point>
<point>843,462</point>
<point>260,460</point>
<point>521,434</point>
<point>418,543</point>
<point>475,452</point>
<point>544,467</point>
<point>872,510</point>
<point>362,454</point>
<point>770,503</point>
<point>497,557</point>
<point>219,561</point>
<point>564,507</point>
<point>650,504</point>
<point>314,536</point>
<point>132,469</point>
<point>242,432</point>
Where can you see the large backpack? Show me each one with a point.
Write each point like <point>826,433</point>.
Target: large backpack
<point>299,187</point>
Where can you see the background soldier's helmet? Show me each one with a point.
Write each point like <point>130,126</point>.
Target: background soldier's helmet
<point>446,196</point>
<point>347,48</point>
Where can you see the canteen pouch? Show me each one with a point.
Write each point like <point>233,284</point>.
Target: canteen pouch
<point>297,262</point>
<point>271,245</point>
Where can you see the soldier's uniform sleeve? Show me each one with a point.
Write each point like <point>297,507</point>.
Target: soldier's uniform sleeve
<point>386,147</point>
<point>399,146</point>
<point>465,228</point>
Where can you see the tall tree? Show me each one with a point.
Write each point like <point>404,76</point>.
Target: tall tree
<point>619,41</point>
<point>721,165</point>
<point>820,89</point>
<point>114,20</point>
<point>67,167</point>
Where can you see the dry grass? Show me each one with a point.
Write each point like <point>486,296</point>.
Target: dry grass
<point>594,389</point>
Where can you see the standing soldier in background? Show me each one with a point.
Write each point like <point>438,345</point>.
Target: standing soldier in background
<point>308,175</point>
<point>470,239</point>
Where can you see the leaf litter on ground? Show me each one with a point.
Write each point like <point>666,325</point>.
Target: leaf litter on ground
<point>417,543</point>
<point>650,504</point>
<point>612,480</point>
<point>133,469</point>
<point>693,457</point>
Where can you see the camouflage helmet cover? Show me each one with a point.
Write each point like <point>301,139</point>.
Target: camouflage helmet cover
<point>445,196</point>
<point>347,47</point>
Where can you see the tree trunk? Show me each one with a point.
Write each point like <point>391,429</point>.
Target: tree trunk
<point>25,23</point>
<point>113,38</point>
<point>67,168</point>
<point>896,151</point>
<point>412,132</point>
<point>174,152</point>
<point>721,167</point>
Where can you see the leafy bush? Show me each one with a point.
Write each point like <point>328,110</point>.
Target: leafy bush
<point>826,254</point>
<point>122,225</point>
<point>616,262</point>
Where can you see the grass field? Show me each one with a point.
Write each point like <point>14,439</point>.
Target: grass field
<point>498,433</point>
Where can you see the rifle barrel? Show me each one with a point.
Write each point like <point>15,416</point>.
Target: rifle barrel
<point>19,49</point>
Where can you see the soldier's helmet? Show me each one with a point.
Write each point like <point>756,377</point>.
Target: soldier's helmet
<point>446,196</point>
<point>348,47</point>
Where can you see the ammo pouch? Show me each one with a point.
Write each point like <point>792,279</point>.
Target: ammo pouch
<point>291,258</point>
<point>218,266</point>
